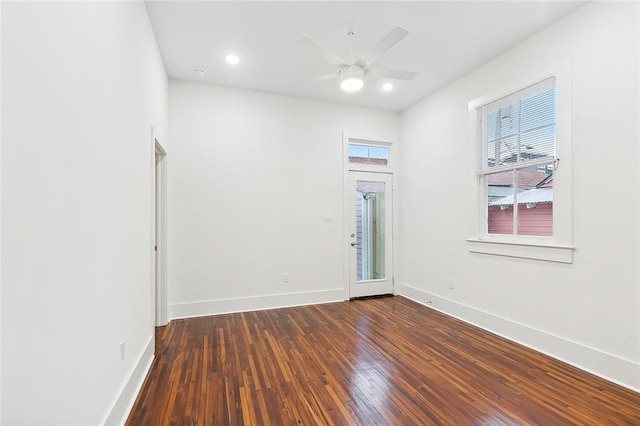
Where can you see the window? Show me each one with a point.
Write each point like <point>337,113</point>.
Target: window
<point>516,162</point>
<point>523,203</point>
<point>369,154</point>
<point>370,227</point>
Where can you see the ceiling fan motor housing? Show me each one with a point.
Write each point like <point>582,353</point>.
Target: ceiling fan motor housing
<point>352,71</point>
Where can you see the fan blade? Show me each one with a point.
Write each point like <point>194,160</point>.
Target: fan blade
<point>392,74</point>
<point>319,78</point>
<point>325,77</point>
<point>397,34</point>
<point>324,53</point>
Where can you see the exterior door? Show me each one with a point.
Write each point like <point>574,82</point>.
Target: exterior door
<point>371,238</point>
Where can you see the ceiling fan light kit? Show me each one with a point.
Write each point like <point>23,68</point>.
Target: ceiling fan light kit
<point>352,78</point>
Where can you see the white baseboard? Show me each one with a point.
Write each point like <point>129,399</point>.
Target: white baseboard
<point>254,303</point>
<point>127,397</point>
<point>622,371</point>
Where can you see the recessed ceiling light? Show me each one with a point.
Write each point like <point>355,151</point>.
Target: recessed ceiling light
<point>200,72</point>
<point>232,59</point>
<point>387,87</point>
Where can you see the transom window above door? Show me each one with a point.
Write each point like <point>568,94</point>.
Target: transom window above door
<point>369,154</point>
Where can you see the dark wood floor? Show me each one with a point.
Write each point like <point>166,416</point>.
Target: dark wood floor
<point>375,361</point>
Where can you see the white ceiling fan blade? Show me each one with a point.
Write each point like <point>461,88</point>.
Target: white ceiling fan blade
<point>325,77</point>
<point>319,78</point>
<point>397,34</point>
<point>322,51</point>
<point>391,74</point>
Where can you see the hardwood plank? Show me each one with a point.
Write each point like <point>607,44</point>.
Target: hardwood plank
<point>371,361</point>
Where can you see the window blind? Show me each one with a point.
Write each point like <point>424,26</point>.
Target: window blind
<point>521,127</point>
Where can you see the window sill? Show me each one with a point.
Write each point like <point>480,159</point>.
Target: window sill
<point>522,250</point>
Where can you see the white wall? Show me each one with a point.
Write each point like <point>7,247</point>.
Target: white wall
<point>82,84</point>
<point>586,312</point>
<point>0,213</point>
<point>251,177</point>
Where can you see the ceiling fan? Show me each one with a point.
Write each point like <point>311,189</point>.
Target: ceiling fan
<point>352,74</point>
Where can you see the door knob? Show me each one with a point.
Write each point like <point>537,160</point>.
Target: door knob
<point>354,244</point>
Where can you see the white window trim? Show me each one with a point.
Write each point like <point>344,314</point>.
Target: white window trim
<point>558,248</point>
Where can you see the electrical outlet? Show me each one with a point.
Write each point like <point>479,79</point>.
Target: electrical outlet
<point>451,283</point>
<point>121,350</point>
<point>285,278</point>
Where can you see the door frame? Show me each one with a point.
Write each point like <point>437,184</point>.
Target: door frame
<point>348,167</point>
<point>158,230</point>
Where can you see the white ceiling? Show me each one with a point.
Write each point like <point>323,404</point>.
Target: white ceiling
<point>446,41</point>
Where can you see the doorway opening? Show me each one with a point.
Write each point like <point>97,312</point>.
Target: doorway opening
<point>159,233</point>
